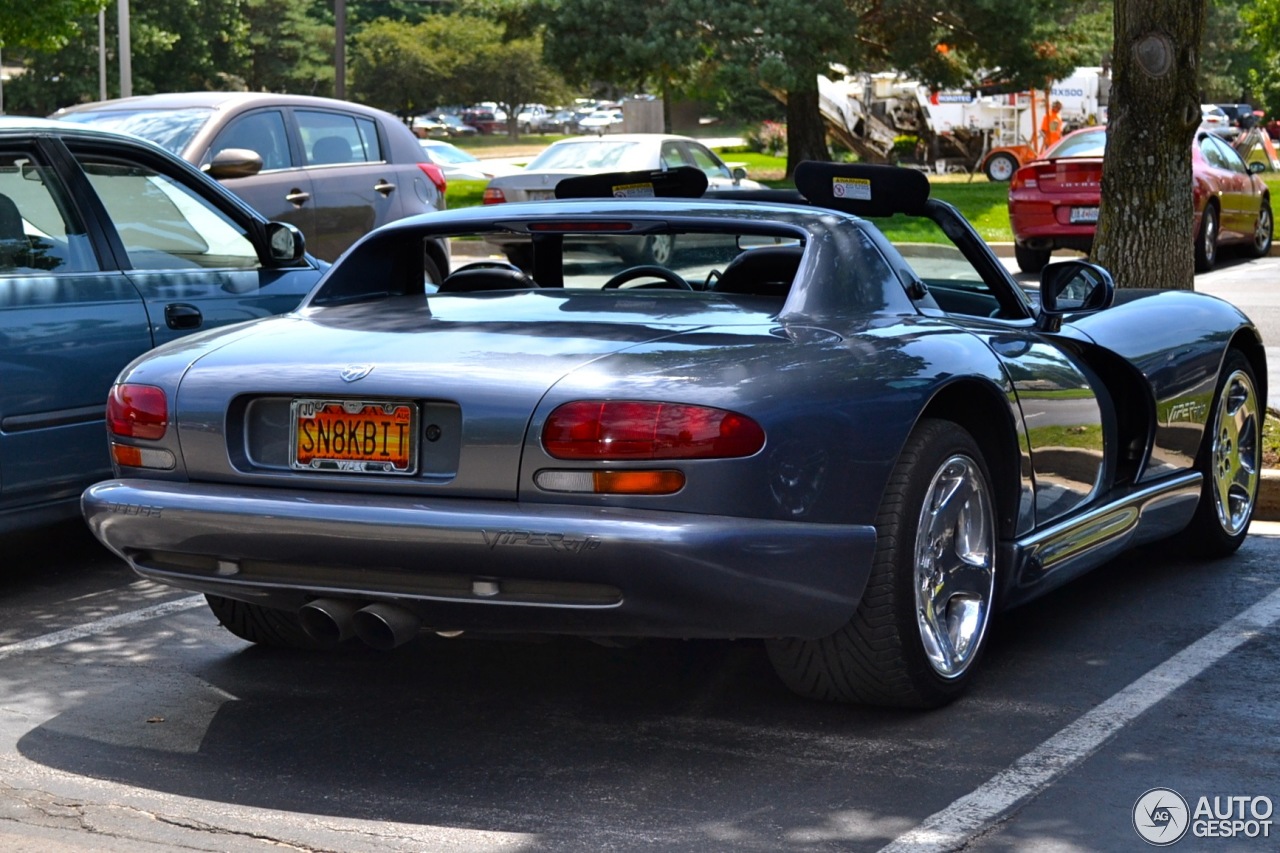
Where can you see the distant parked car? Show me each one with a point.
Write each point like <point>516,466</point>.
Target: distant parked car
<point>109,246</point>
<point>562,121</point>
<point>336,170</point>
<point>484,121</point>
<point>1053,202</point>
<point>620,152</point>
<point>601,121</point>
<point>458,165</point>
<point>439,125</point>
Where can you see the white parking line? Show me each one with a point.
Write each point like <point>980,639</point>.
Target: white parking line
<point>101,626</point>
<point>968,816</point>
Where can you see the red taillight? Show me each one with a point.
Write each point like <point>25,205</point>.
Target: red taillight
<point>493,195</point>
<point>436,175</point>
<point>627,429</point>
<point>137,411</point>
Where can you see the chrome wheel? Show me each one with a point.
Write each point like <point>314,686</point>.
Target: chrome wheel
<point>954,560</point>
<point>1235,453</point>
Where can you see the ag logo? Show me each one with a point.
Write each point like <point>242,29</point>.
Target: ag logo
<point>1161,816</point>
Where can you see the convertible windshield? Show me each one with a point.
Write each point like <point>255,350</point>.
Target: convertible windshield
<point>171,129</point>
<point>588,154</point>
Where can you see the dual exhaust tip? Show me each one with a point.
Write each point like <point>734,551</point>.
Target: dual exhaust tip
<point>330,621</point>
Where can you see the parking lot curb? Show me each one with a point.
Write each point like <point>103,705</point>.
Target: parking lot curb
<point>1268,508</point>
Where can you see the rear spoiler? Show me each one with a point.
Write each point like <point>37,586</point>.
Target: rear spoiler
<point>863,190</point>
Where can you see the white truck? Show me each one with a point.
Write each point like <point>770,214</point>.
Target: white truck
<point>958,129</point>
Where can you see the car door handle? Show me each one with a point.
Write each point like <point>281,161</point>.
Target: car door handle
<point>180,315</point>
<point>384,187</point>
<point>297,196</point>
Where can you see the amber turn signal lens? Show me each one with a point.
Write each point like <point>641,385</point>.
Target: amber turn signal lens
<point>638,482</point>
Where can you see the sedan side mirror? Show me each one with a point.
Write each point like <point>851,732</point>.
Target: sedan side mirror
<point>285,243</point>
<point>235,163</point>
<point>1072,287</point>
<point>739,174</point>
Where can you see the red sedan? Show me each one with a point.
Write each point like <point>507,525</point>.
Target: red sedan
<point>1053,202</point>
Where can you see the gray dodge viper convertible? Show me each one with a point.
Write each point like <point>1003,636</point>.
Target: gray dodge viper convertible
<point>857,451</point>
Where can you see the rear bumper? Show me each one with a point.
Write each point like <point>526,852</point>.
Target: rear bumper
<point>492,565</point>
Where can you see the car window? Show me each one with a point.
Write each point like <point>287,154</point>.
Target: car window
<point>673,155</point>
<point>953,282</point>
<point>262,131</point>
<point>164,224</point>
<point>336,138</point>
<point>1090,144</point>
<point>369,139</point>
<point>171,129</point>
<point>594,154</point>
<point>708,163</point>
<point>1220,155</point>
<point>39,230</point>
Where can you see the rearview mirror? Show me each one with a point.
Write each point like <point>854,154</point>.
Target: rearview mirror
<point>1073,287</point>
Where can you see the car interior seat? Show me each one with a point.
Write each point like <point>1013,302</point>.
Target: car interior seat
<point>765,271</point>
<point>15,248</point>
<point>331,149</point>
<point>473,280</point>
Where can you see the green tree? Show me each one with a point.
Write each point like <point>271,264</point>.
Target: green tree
<point>514,75</point>
<point>788,44</point>
<point>627,44</point>
<point>177,45</point>
<point>1144,228</point>
<point>288,49</point>
<point>1228,52</point>
<point>44,25</point>
<point>1262,22</point>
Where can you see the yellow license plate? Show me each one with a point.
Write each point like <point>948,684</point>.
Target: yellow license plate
<point>355,436</point>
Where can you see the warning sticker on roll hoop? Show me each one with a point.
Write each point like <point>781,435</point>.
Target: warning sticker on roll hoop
<point>858,189</point>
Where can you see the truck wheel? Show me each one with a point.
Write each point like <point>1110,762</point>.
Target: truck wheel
<point>1000,167</point>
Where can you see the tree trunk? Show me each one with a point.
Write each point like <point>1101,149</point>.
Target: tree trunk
<point>806,134</point>
<point>1144,234</point>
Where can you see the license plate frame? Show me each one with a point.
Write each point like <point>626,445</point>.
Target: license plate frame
<point>385,443</point>
<point>541,195</point>
<point>1084,216</point>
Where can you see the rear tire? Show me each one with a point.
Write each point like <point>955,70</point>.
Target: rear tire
<point>1031,260</point>
<point>1207,239</point>
<point>1230,459</point>
<point>265,626</point>
<point>917,635</point>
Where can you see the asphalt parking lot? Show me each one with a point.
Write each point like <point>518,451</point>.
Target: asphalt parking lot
<point>132,721</point>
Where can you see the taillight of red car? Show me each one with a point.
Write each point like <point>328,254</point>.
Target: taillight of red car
<point>436,175</point>
<point>640,430</point>
<point>138,412</point>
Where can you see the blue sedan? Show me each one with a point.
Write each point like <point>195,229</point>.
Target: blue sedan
<point>109,246</point>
